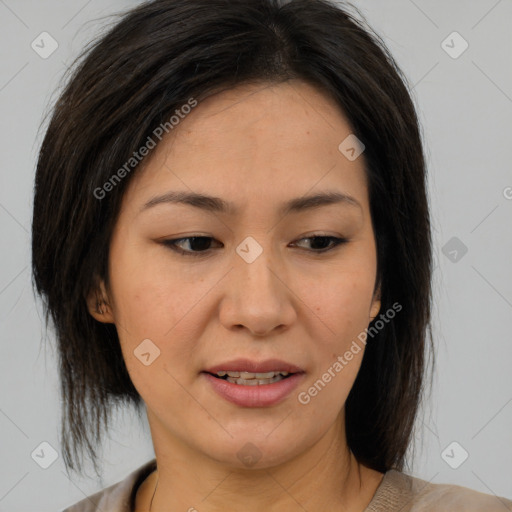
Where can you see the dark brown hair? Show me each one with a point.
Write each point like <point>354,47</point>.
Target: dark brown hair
<point>128,82</point>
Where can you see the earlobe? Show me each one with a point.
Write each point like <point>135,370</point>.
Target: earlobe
<point>374,311</point>
<point>98,305</point>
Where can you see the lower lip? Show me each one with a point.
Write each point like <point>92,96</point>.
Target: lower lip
<point>262,395</point>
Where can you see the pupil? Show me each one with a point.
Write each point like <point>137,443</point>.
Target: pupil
<point>315,239</point>
<point>203,243</point>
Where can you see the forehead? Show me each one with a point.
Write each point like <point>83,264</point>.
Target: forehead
<point>258,112</point>
<point>257,141</point>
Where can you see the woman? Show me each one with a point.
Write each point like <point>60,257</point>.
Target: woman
<point>231,229</point>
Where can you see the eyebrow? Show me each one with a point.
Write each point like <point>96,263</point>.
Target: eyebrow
<point>218,205</point>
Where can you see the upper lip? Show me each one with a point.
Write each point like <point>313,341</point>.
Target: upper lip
<point>246,365</point>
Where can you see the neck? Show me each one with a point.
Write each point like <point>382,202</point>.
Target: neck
<point>325,478</point>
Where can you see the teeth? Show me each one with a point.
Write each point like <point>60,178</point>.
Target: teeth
<point>251,376</point>
<point>255,382</point>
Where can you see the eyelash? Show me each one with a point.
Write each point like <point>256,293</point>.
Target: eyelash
<point>171,244</point>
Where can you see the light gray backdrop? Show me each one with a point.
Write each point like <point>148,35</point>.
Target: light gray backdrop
<point>464,99</point>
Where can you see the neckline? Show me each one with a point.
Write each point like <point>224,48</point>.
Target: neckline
<point>145,471</point>
<point>390,493</point>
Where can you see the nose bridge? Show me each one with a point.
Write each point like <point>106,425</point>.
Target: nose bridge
<point>258,296</point>
<point>256,266</point>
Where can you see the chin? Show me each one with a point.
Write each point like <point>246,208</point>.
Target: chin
<point>256,451</point>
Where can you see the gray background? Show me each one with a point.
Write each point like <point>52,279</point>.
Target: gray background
<point>465,107</point>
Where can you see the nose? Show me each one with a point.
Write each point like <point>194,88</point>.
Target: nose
<point>258,297</point>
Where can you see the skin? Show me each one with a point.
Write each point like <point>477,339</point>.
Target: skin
<point>257,146</point>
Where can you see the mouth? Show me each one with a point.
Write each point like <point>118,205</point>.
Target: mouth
<point>246,372</point>
<point>248,383</point>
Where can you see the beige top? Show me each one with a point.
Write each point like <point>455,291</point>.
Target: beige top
<point>397,492</point>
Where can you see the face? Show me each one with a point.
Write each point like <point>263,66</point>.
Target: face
<point>249,281</point>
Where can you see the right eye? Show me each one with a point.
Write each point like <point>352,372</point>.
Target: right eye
<point>199,245</point>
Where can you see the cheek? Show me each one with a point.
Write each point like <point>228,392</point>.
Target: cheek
<point>151,294</point>
<point>155,335</point>
<point>158,302</point>
<point>342,306</point>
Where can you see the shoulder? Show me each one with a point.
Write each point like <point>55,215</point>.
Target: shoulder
<point>411,494</point>
<point>116,498</point>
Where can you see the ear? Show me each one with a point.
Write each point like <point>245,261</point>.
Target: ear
<point>98,304</point>
<point>374,310</point>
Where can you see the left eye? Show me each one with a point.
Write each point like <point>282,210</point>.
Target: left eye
<point>199,244</point>
<point>335,241</point>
